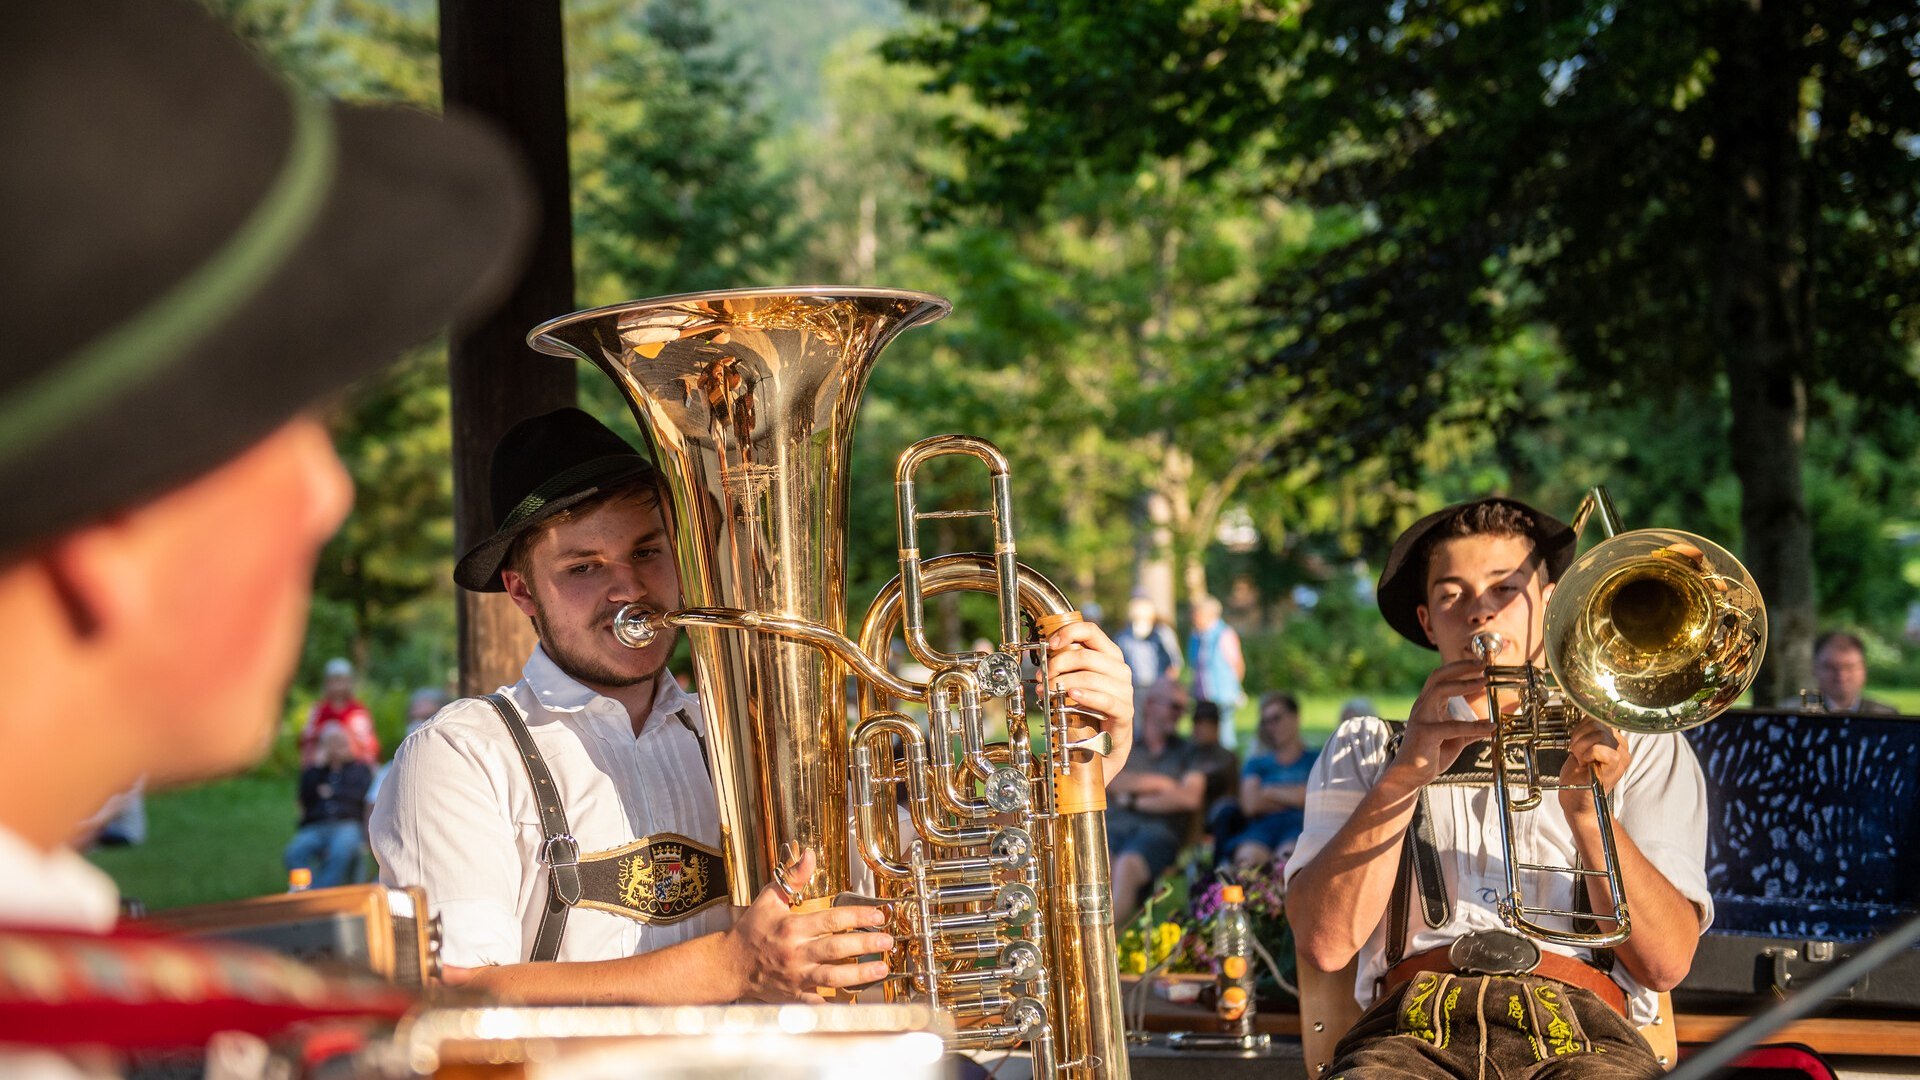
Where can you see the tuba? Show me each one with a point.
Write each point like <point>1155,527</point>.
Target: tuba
<point>999,885</point>
<point>1649,631</point>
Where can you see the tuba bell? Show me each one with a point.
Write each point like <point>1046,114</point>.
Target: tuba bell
<point>1649,631</point>
<point>1000,885</point>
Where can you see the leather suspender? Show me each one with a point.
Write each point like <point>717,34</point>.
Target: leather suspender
<point>558,849</point>
<point>687,722</point>
<point>1419,873</point>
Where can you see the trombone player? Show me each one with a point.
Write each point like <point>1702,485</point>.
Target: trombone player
<point>1446,987</point>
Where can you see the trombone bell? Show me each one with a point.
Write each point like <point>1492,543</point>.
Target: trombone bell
<point>1655,630</point>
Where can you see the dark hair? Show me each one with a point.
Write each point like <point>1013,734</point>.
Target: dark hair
<point>1480,519</point>
<point>1840,636</point>
<point>1206,711</point>
<point>1280,697</point>
<point>645,487</point>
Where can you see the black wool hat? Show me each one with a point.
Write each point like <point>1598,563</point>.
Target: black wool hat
<point>544,465</point>
<point>195,251</point>
<point>1403,583</point>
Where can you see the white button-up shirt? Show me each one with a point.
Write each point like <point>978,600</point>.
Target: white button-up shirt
<point>57,890</point>
<point>456,814</point>
<point>1661,803</point>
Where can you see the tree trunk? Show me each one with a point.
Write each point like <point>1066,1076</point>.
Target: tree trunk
<point>1153,553</point>
<point>1763,317</point>
<point>504,59</point>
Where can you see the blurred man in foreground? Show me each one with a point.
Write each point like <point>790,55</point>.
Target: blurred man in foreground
<point>194,256</point>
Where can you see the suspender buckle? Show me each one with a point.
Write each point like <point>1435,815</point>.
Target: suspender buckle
<point>562,850</point>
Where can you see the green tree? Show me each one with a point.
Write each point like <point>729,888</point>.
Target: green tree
<point>1689,195</point>
<point>671,194</point>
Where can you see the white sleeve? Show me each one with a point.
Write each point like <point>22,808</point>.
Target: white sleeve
<point>1346,770</point>
<point>442,823</point>
<point>1662,804</point>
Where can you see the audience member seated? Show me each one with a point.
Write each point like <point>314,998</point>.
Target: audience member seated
<point>1221,765</point>
<point>333,798</point>
<point>339,707</point>
<point>1840,673</point>
<point>1153,803</point>
<point>1273,789</point>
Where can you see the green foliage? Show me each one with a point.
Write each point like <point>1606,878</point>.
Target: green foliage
<point>669,192</point>
<point>1657,202</point>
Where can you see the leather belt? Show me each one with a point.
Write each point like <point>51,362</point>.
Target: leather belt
<point>1549,965</point>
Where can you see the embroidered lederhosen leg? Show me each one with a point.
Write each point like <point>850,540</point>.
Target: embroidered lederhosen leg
<point>1487,1027</point>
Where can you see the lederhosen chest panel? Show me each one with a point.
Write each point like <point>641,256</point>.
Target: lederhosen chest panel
<point>656,879</point>
<point>662,878</point>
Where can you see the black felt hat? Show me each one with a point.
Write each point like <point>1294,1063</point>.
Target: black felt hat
<point>544,465</point>
<point>194,251</point>
<point>1403,583</point>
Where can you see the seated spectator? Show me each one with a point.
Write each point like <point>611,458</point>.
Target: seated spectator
<point>1221,765</point>
<point>1153,801</point>
<point>1273,790</point>
<point>333,798</point>
<point>338,705</point>
<point>1840,672</point>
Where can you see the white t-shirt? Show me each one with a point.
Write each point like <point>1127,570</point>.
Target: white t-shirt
<point>456,814</point>
<point>1661,804</point>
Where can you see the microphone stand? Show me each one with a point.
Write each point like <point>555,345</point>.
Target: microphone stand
<point>1845,974</point>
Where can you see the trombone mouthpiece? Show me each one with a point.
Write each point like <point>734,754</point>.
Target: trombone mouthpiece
<point>1486,644</point>
<point>634,627</point>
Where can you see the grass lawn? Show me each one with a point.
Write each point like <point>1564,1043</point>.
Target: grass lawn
<point>222,841</point>
<point>217,841</point>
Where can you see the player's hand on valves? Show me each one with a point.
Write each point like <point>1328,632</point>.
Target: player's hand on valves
<point>1084,661</point>
<point>784,955</point>
<point>1447,717</point>
<point>1594,749</point>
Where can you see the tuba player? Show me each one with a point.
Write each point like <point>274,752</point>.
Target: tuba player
<point>614,890</point>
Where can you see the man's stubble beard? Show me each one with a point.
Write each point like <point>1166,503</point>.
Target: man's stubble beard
<point>584,669</point>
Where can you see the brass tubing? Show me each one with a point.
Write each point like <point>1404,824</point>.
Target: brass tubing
<point>1080,935</point>
<point>918,798</point>
<point>965,688</point>
<point>961,980</point>
<point>965,571</point>
<point>912,625</point>
<point>975,893</point>
<point>983,947</point>
<point>641,626</point>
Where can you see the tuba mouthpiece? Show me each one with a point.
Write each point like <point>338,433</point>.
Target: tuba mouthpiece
<point>1487,644</point>
<point>634,627</point>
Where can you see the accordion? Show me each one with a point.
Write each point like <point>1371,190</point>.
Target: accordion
<point>369,929</point>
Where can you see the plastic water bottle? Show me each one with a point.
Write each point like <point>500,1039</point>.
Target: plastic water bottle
<point>299,878</point>
<point>1233,963</point>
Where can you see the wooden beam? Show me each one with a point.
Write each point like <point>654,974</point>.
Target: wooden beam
<point>505,59</point>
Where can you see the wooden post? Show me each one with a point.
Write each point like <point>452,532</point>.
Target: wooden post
<point>505,59</point>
